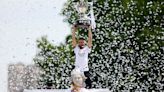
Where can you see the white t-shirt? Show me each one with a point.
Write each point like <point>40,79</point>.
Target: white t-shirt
<point>82,90</point>
<point>81,58</point>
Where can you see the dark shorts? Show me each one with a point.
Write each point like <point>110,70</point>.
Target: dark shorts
<point>88,81</point>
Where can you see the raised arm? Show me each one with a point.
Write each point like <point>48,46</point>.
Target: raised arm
<point>89,37</point>
<point>73,36</point>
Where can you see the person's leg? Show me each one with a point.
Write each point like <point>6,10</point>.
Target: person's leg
<point>88,81</point>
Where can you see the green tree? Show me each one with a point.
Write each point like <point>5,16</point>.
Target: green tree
<point>53,61</point>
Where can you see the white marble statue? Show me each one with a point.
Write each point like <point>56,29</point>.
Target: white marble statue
<point>78,81</point>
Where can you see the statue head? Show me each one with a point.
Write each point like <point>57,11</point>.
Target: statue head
<point>77,78</point>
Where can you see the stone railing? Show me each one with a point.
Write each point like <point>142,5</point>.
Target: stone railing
<point>66,90</point>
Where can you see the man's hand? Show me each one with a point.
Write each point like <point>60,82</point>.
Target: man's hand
<point>89,28</point>
<point>74,27</point>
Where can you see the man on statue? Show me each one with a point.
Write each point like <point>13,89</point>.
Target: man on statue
<point>81,50</point>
